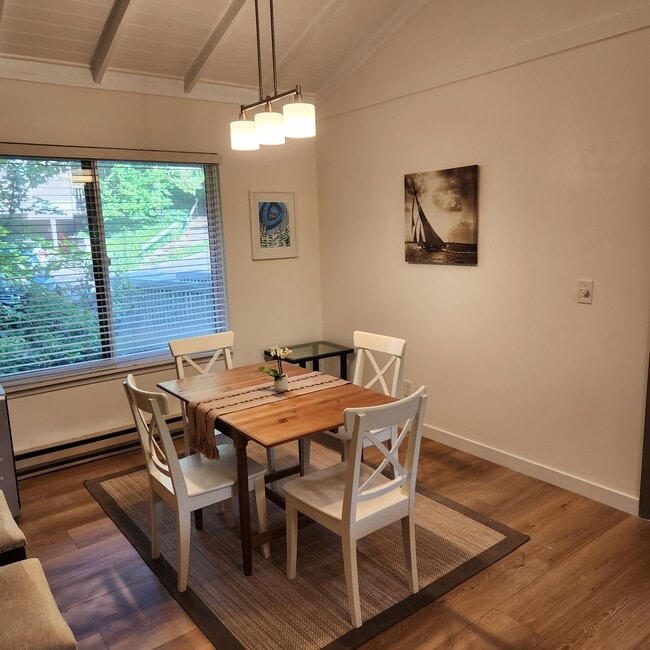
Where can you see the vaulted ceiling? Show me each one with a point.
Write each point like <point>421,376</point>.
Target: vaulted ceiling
<point>319,43</point>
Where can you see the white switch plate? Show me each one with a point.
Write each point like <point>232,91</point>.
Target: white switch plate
<point>585,291</point>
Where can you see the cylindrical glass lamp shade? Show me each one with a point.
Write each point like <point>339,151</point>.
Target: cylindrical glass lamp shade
<point>299,120</point>
<point>242,136</point>
<point>269,127</point>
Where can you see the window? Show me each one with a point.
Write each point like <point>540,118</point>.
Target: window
<point>105,261</point>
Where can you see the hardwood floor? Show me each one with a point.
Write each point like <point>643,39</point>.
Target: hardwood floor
<point>582,581</point>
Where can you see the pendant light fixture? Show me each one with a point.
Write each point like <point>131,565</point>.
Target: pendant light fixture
<point>269,126</point>
<point>297,120</point>
<point>242,134</point>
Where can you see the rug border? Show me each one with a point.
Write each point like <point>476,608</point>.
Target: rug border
<point>223,638</point>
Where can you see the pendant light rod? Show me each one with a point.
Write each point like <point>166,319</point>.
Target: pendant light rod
<point>275,74</point>
<point>259,51</point>
<point>268,99</point>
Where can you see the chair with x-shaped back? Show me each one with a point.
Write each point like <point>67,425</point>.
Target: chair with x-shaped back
<point>353,499</point>
<point>190,483</point>
<point>379,365</point>
<point>202,355</point>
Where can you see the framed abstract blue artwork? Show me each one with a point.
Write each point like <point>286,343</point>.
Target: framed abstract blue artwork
<point>273,225</point>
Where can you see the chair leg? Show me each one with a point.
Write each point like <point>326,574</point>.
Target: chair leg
<point>270,458</point>
<point>408,539</point>
<point>156,522</point>
<point>260,506</point>
<point>304,453</point>
<point>183,535</point>
<point>351,578</point>
<point>345,450</point>
<point>186,432</point>
<point>292,539</point>
<point>228,513</point>
<point>222,439</point>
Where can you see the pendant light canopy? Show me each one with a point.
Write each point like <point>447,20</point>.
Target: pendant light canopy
<point>297,120</point>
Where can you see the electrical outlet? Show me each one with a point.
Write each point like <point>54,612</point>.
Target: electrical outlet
<point>407,387</point>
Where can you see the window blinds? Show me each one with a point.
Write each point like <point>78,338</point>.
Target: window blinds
<point>106,261</point>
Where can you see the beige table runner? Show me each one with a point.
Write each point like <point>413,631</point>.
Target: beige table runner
<point>201,416</point>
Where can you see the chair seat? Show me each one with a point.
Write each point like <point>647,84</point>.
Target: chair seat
<point>29,617</point>
<point>323,491</point>
<point>11,536</point>
<point>203,475</point>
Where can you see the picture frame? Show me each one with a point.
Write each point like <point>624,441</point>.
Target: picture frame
<point>273,225</point>
<point>441,216</point>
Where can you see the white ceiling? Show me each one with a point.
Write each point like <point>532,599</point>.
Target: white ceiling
<point>199,43</point>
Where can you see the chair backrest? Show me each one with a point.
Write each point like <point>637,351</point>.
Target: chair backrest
<point>408,416</point>
<point>149,409</point>
<point>220,345</point>
<point>384,368</point>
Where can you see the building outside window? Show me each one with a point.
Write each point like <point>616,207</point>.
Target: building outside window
<point>103,262</point>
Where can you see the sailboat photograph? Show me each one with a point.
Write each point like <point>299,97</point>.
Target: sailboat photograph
<point>441,216</point>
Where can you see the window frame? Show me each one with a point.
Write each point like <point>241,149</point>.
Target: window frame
<point>112,367</point>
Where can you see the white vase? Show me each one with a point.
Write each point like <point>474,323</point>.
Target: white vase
<point>280,384</point>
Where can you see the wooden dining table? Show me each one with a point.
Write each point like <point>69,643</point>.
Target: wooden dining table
<point>287,419</point>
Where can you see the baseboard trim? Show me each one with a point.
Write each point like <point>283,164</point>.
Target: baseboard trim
<point>618,500</point>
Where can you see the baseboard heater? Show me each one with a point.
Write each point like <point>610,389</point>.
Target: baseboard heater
<point>51,459</point>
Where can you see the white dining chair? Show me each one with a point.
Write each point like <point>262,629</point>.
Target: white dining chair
<point>189,483</point>
<point>378,365</point>
<point>353,499</point>
<point>201,355</point>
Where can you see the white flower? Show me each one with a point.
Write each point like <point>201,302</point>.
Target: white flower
<point>280,353</point>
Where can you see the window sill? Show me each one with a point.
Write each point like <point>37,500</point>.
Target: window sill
<point>56,380</point>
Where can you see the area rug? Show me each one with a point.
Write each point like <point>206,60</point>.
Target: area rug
<point>266,610</point>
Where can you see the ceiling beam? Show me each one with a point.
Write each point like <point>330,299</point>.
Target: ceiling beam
<point>327,12</point>
<point>108,39</point>
<point>192,76</point>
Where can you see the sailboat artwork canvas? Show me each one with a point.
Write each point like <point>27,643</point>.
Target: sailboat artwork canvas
<point>441,216</point>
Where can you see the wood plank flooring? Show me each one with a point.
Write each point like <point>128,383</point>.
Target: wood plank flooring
<point>582,581</point>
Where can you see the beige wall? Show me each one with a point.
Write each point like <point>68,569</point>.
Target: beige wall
<point>555,113</point>
<point>271,301</point>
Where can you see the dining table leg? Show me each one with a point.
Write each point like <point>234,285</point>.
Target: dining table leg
<point>240,443</point>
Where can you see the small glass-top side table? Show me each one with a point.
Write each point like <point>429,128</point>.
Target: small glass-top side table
<point>314,352</point>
